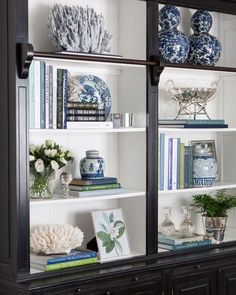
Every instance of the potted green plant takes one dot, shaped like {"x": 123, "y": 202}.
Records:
{"x": 214, "y": 209}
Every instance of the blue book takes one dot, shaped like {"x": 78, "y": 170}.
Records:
{"x": 50, "y": 121}
{"x": 60, "y": 258}
{"x": 170, "y": 151}
{"x": 177, "y": 238}
{"x": 162, "y": 157}
{"x": 59, "y": 98}
{"x": 186, "y": 245}
{"x": 42, "y": 95}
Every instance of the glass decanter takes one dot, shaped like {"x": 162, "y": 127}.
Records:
{"x": 186, "y": 227}
{"x": 167, "y": 226}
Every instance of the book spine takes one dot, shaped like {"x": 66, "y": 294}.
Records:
{"x": 191, "y": 244}
{"x": 32, "y": 96}
{"x": 54, "y": 100}
{"x": 170, "y": 163}
{"x": 95, "y": 187}
{"x": 113, "y": 191}
{"x": 206, "y": 126}
{"x": 190, "y": 166}
{"x": 94, "y": 181}
{"x": 186, "y": 166}
{"x": 178, "y": 163}
{"x": 174, "y": 164}
{"x": 205, "y": 122}
{"x": 59, "y": 98}
{"x": 37, "y": 94}
{"x": 42, "y": 94}
{"x": 47, "y": 96}
{"x": 166, "y": 164}
{"x": 182, "y": 166}
{"x": 64, "y": 99}
{"x": 82, "y": 105}
{"x": 50, "y": 121}
{"x": 75, "y": 118}
{"x": 89, "y": 125}
{"x": 67, "y": 264}
{"x": 162, "y": 156}
{"x": 85, "y": 112}
{"x": 68, "y": 258}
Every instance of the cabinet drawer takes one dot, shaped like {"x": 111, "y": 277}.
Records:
{"x": 143, "y": 283}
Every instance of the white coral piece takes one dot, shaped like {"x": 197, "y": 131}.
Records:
{"x": 55, "y": 238}
{"x": 74, "y": 28}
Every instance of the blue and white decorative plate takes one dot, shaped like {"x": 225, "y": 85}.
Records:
{"x": 90, "y": 89}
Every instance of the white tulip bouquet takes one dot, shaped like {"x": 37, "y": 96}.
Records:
{"x": 45, "y": 160}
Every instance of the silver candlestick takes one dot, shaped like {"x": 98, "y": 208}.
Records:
{"x": 66, "y": 178}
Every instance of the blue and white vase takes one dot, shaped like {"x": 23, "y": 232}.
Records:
{"x": 205, "y": 49}
{"x": 92, "y": 166}
{"x": 173, "y": 44}
{"x": 204, "y": 166}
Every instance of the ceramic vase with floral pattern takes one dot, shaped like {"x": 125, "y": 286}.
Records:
{"x": 92, "y": 166}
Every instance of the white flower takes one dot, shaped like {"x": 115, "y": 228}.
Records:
{"x": 32, "y": 148}
{"x": 113, "y": 231}
{"x": 50, "y": 153}
{"x": 49, "y": 143}
{"x": 68, "y": 154}
{"x": 63, "y": 161}
{"x": 31, "y": 158}
{"x": 39, "y": 165}
{"x": 54, "y": 165}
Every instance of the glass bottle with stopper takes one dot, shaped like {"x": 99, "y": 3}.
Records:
{"x": 66, "y": 178}
{"x": 186, "y": 227}
{"x": 167, "y": 226}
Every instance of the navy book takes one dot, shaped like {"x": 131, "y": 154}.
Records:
{"x": 104, "y": 180}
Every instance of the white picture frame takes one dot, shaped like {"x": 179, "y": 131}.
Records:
{"x": 111, "y": 234}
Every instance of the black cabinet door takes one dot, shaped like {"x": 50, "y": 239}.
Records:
{"x": 193, "y": 281}
{"x": 228, "y": 281}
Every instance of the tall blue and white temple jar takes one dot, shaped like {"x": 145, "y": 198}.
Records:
{"x": 173, "y": 44}
{"x": 205, "y": 49}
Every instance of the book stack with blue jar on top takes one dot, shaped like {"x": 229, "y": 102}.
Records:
{"x": 178, "y": 242}
{"x": 76, "y": 257}
{"x": 95, "y": 187}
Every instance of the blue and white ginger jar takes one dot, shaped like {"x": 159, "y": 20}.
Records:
{"x": 204, "y": 166}
{"x": 173, "y": 44}
{"x": 205, "y": 49}
{"x": 92, "y": 166}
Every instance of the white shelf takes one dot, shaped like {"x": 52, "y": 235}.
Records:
{"x": 88, "y": 130}
{"x": 196, "y": 130}
{"x": 129, "y": 193}
{"x": 217, "y": 186}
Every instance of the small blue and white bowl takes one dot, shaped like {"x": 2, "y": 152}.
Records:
{"x": 92, "y": 166}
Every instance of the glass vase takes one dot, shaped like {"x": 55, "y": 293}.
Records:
{"x": 186, "y": 227}
{"x": 167, "y": 226}
{"x": 41, "y": 186}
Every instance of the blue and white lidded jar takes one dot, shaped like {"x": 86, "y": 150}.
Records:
{"x": 204, "y": 166}
{"x": 92, "y": 166}
{"x": 173, "y": 44}
{"x": 205, "y": 49}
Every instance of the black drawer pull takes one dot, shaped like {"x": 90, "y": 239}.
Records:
{"x": 77, "y": 291}
{"x": 197, "y": 266}
{"x": 108, "y": 293}
{"x": 135, "y": 279}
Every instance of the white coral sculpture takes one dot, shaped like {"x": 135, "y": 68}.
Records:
{"x": 55, "y": 238}
{"x": 74, "y": 28}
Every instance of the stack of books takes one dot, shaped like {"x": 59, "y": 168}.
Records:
{"x": 95, "y": 187}
{"x": 178, "y": 242}
{"x": 175, "y": 164}
{"x": 192, "y": 123}
{"x": 54, "y": 262}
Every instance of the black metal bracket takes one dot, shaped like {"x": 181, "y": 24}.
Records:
{"x": 25, "y": 53}
{"x": 156, "y": 70}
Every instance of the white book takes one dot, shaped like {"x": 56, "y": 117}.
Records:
{"x": 174, "y": 163}
{"x": 47, "y": 96}
{"x": 54, "y": 98}
{"x": 166, "y": 162}
{"x": 89, "y": 125}
{"x": 95, "y": 193}
{"x": 37, "y": 94}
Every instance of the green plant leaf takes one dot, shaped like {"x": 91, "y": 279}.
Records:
{"x": 110, "y": 246}
{"x": 111, "y": 217}
{"x": 118, "y": 246}
{"x": 121, "y": 232}
{"x": 118, "y": 222}
{"x": 104, "y": 237}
